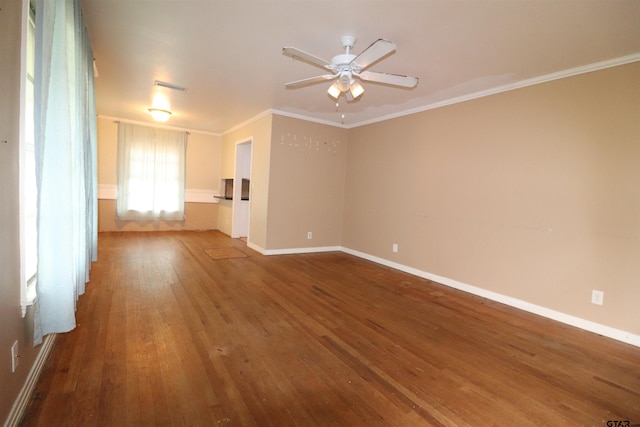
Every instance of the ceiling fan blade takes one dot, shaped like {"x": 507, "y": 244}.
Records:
{"x": 376, "y": 51}
{"x": 305, "y": 57}
{"x": 391, "y": 79}
{"x": 310, "y": 81}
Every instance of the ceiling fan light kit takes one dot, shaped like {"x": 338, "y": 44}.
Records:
{"x": 346, "y": 68}
{"x": 356, "y": 89}
{"x": 334, "y": 90}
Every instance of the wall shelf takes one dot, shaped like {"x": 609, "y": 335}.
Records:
{"x": 227, "y": 189}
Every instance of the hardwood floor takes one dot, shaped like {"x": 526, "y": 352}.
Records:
{"x": 168, "y": 336}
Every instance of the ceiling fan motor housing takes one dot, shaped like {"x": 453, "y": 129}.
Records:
{"x": 344, "y": 80}
{"x": 344, "y": 67}
{"x": 342, "y": 59}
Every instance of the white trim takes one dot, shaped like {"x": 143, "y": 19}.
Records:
{"x": 158, "y": 126}
{"x": 248, "y": 122}
{"x": 21, "y": 402}
{"x": 27, "y": 291}
{"x": 505, "y": 88}
{"x": 194, "y": 195}
{"x": 241, "y": 209}
{"x": 311, "y": 119}
{"x": 191, "y": 195}
{"x": 29, "y": 297}
{"x": 107, "y": 192}
{"x": 587, "y": 325}
{"x": 610, "y": 63}
{"x": 286, "y": 114}
{"x": 256, "y": 248}
{"x": 291, "y": 251}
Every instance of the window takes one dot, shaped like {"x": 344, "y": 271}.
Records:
{"x": 151, "y": 173}
{"x": 28, "y": 188}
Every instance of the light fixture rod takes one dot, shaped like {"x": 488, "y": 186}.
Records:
{"x": 169, "y": 86}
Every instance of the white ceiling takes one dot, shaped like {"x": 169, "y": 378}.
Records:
{"x": 228, "y": 53}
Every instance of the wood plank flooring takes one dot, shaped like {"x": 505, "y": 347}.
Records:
{"x": 168, "y": 336}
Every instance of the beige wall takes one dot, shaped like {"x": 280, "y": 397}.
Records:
{"x": 258, "y": 131}
{"x": 532, "y": 193}
{"x": 306, "y": 184}
{"x": 12, "y": 326}
{"x": 198, "y": 216}
{"x": 297, "y": 182}
{"x": 203, "y": 173}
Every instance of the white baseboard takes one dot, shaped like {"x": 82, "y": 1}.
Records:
{"x": 256, "y": 247}
{"x": 19, "y": 406}
{"x": 568, "y": 319}
{"x": 290, "y": 251}
{"x": 587, "y": 325}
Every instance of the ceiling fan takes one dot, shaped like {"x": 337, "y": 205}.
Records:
{"x": 347, "y": 67}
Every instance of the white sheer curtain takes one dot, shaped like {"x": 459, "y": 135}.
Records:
{"x": 66, "y": 163}
{"x": 151, "y": 173}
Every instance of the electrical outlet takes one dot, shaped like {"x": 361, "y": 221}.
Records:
{"x": 309, "y": 235}
{"x": 394, "y": 248}
{"x": 597, "y": 297}
{"x": 15, "y": 356}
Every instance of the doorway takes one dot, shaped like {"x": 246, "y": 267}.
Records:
{"x": 242, "y": 190}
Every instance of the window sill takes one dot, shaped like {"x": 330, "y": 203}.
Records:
{"x": 29, "y": 298}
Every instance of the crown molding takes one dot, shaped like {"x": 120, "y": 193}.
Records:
{"x": 610, "y": 63}
{"x": 309, "y": 119}
{"x": 247, "y": 122}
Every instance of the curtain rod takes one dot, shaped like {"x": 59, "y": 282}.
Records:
{"x": 152, "y": 126}
{"x": 135, "y": 122}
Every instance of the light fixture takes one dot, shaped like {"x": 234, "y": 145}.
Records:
{"x": 160, "y": 108}
{"x": 345, "y": 83}
{"x": 334, "y": 90}
{"x": 159, "y": 114}
{"x": 356, "y": 89}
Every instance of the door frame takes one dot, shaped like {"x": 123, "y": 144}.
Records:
{"x": 241, "y": 209}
